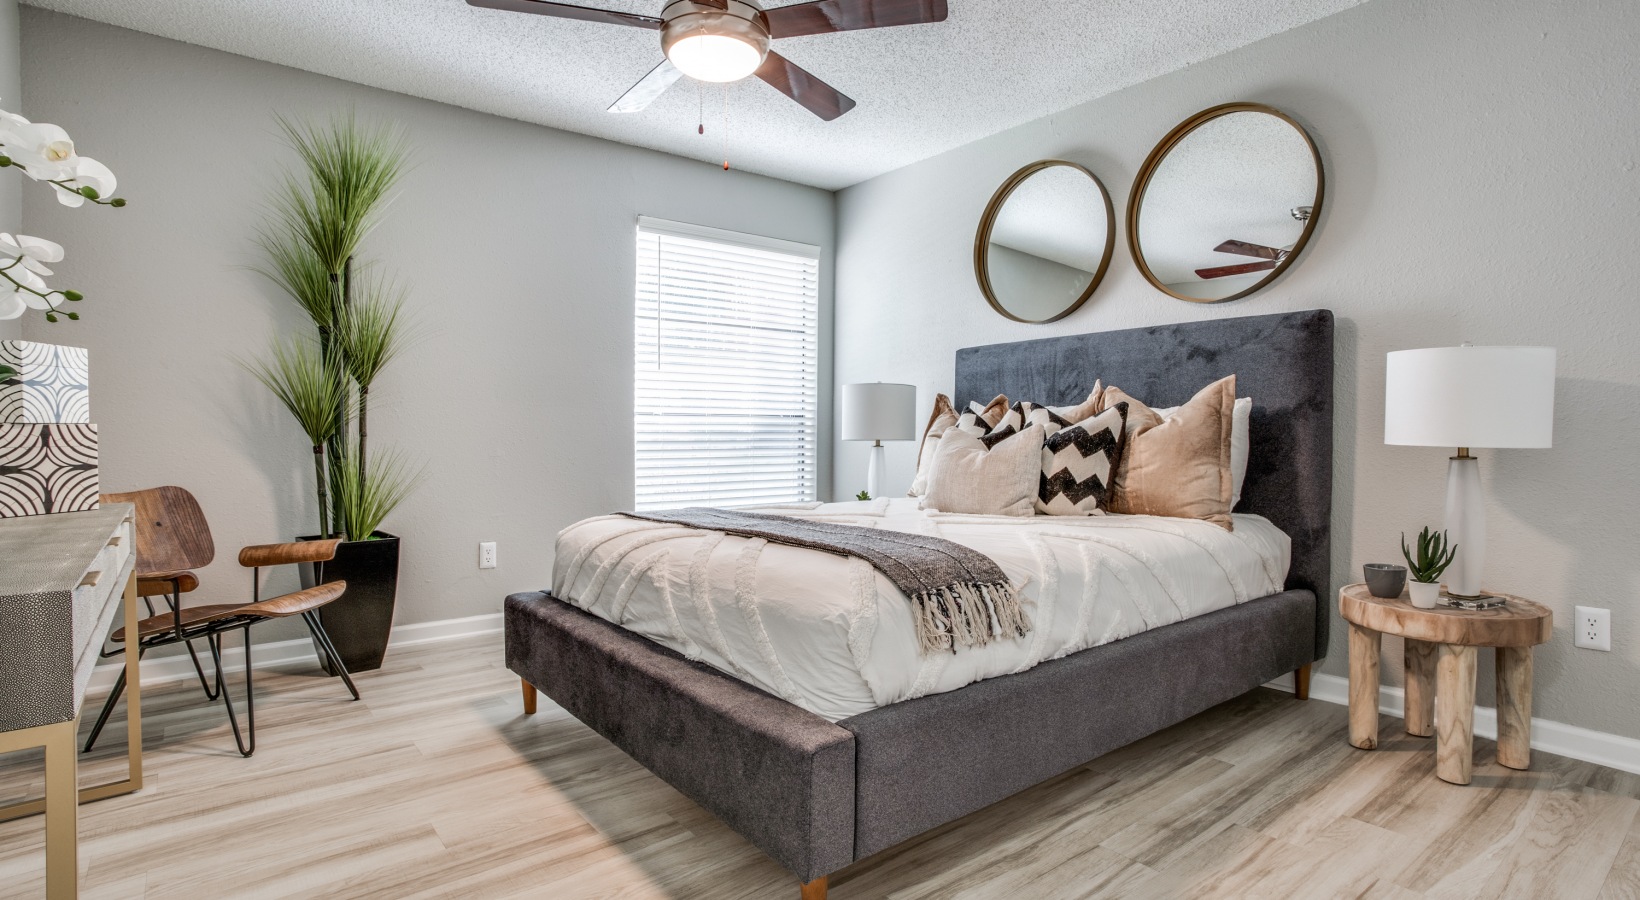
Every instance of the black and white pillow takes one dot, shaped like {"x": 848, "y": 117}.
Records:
{"x": 1078, "y": 459}
{"x": 973, "y": 421}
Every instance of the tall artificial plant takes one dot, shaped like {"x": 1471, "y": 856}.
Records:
{"x": 321, "y": 213}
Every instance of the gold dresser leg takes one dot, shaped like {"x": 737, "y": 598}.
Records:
{"x": 62, "y": 811}
{"x": 1420, "y": 705}
{"x": 1364, "y": 646}
{"x": 1455, "y": 716}
{"x": 1515, "y": 707}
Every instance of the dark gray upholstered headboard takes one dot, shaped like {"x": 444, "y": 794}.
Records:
{"x": 1284, "y": 362}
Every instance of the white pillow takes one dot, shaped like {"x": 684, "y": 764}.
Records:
{"x": 1240, "y": 446}
{"x": 965, "y": 477}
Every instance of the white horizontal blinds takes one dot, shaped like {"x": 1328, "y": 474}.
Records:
{"x": 728, "y": 367}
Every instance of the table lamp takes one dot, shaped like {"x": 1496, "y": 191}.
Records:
{"x": 1467, "y": 397}
{"x": 879, "y": 412}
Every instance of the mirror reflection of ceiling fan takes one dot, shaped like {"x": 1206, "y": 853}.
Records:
{"x": 727, "y": 40}
{"x": 1270, "y": 256}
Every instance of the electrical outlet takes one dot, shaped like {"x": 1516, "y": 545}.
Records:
{"x": 1592, "y": 628}
{"x": 486, "y": 555}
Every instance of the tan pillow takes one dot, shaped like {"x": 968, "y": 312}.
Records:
{"x": 937, "y": 427}
{"x": 1087, "y": 409}
{"x": 965, "y": 477}
{"x": 995, "y": 410}
{"x": 1179, "y": 467}
{"x": 931, "y": 432}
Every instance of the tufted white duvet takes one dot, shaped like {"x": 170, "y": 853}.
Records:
{"x": 829, "y": 634}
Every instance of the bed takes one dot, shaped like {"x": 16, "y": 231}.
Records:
{"x": 817, "y": 794}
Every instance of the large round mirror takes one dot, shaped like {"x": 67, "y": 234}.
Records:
{"x": 1224, "y": 203}
{"x": 1044, "y": 241}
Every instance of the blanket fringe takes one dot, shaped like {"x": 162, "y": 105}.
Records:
{"x": 968, "y": 615}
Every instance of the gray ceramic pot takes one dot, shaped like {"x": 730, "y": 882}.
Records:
{"x": 1385, "y": 579}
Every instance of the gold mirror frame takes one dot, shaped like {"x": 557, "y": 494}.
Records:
{"x": 1178, "y": 134}
{"x": 982, "y": 238}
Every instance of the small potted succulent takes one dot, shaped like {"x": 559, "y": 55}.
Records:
{"x": 1434, "y": 555}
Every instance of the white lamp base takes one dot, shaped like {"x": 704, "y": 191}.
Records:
{"x": 874, "y": 469}
{"x": 1465, "y": 528}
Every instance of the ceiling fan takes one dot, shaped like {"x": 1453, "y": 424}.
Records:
{"x": 727, "y": 40}
{"x": 1271, "y": 256}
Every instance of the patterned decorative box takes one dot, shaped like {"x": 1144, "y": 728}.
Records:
{"x": 52, "y": 383}
{"x": 47, "y": 468}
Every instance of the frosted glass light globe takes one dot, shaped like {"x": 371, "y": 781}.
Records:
{"x": 714, "y": 57}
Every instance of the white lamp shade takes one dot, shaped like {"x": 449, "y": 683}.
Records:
{"x": 1470, "y": 397}
{"x": 879, "y": 412}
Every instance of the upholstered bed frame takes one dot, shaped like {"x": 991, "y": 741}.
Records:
{"x": 817, "y": 795}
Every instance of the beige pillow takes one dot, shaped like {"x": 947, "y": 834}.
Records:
{"x": 965, "y": 477}
{"x": 943, "y": 416}
{"x": 1180, "y": 466}
{"x": 1087, "y": 409}
{"x": 937, "y": 428}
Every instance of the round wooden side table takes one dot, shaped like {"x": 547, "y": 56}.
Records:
{"x": 1440, "y": 659}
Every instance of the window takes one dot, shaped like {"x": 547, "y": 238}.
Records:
{"x": 728, "y": 368}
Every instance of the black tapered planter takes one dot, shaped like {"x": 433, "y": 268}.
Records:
{"x": 359, "y": 621}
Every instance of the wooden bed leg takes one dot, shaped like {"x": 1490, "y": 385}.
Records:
{"x": 816, "y": 889}
{"x": 1301, "y": 682}
{"x": 529, "y": 697}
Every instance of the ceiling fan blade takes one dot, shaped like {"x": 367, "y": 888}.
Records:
{"x": 824, "y": 16}
{"x": 792, "y": 80}
{"x": 566, "y": 11}
{"x": 648, "y": 88}
{"x": 1243, "y": 269}
{"x": 1245, "y": 249}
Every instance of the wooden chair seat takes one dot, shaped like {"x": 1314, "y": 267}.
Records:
{"x": 296, "y": 602}
{"x": 191, "y": 616}
{"x": 292, "y": 604}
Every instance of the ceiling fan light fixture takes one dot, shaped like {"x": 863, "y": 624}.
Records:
{"x": 714, "y": 57}
{"x": 708, "y": 43}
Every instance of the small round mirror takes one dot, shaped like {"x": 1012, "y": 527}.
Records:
{"x": 1224, "y": 203}
{"x": 1044, "y": 241}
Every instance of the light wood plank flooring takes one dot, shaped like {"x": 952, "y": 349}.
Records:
{"x": 434, "y": 785}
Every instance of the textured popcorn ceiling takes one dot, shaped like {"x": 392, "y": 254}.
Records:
{"x": 922, "y": 89}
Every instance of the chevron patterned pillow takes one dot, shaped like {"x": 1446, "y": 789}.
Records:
{"x": 1077, "y": 459}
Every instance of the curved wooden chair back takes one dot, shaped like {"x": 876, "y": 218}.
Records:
{"x": 172, "y": 535}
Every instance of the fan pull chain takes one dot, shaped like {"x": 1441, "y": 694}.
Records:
{"x": 726, "y": 127}
{"x": 700, "y": 102}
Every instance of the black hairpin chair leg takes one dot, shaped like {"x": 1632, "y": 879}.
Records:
{"x": 247, "y": 741}
{"x": 108, "y": 706}
{"x": 322, "y": 638}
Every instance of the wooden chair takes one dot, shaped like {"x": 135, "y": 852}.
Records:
{"x": 173, "y": 539}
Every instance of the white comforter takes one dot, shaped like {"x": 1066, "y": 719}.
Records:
{"x": 832, "y": 635}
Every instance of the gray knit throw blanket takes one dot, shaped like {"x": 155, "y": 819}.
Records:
{"x": 960, "y": 597}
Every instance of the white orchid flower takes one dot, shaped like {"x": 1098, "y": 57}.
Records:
{"x": 45, "y": 151}
{"x": 32, "y": 251}
{"x": 12, "y": 305}
{"x": 88, "y": 173}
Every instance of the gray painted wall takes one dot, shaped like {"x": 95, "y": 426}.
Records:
{"x": 516, "y": 240}
{"x": 11, "y": 98}
{"x": 1482, "y": 186}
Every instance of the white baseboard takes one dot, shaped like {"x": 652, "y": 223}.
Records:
{"x": 1550, "y": 736}
{"x": 158, "y": 670}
